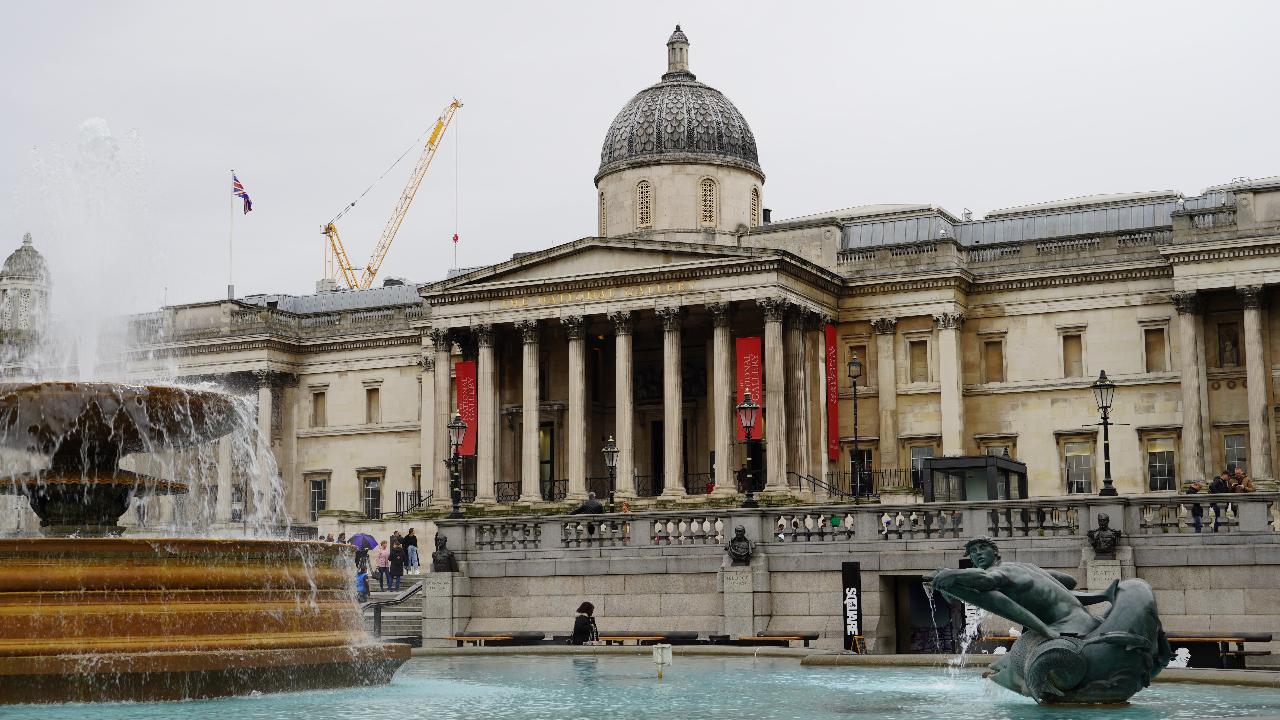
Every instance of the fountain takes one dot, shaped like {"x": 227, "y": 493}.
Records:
{"x": 88, "y": 615}
{"x": 1066, "y": 655}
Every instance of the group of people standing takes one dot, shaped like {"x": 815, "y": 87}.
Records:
{"x": 392, "y": 559}
{"x": 1231, "y": 480}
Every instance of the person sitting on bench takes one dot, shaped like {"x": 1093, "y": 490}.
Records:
{"x": 584, "y": 626}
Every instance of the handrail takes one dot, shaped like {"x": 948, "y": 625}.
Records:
{"x": 816, "y": 485}
{"x": 377, "y": 606}
{"x": 424, "y": 499}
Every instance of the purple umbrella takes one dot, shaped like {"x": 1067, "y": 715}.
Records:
{"x": 363, "y": 541}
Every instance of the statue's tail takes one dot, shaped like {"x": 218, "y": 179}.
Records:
{"x": 1089, "y": 597}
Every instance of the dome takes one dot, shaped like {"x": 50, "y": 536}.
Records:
{"x": 678, "y": 120}
{"x": 25, "y": 263}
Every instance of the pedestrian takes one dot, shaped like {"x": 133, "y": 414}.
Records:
{"x": 590, "y": 506}
{"x": 411, "y": 551}
{"x": 328, "y": 538}
{"x": 742, "y": 477}
{"x": 1220, "y": 485}
{"x": 584, "y": 625}
{"x": 381, "y": 564}
{"x": 362, "y": 585}
{"x": 1197, "y": 511}
{"x": 342, "y": 538}
{"x": 395, "y": 565}
{"x": 1241, "y": 482}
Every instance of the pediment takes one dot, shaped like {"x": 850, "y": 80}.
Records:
{"x": 595, "y": 257}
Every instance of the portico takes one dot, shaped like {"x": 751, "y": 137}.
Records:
{"x": 632, "y": 340}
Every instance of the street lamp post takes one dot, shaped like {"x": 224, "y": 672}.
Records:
{"x": 610, "y": 451}
{"x": 855, "y": 372}
{"x": 1104, "y": 391}
{"x": 748, "y": 410}
{"x": 457, "y": 433}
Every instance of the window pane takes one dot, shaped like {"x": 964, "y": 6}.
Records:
{"x": 1160, "y": 460}
{"x": 1153, "y": 340}
{"x": 993, "y": 361}
{"x": 919, "y": 357}
{"x": 1235, "y": 451}
{"x": 1078, "y": 460}
{"x": 918, "y": 453}
{"x": 1072, "y": 356}
{"x": 372, "y": 497}
{"x": 996, "y": 450}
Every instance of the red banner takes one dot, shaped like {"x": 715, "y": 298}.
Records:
{"x": 465, "y": 382}
{"x": 833, "y": 395}
{"x": 750, "y": 380}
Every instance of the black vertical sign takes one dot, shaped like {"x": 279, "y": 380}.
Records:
{"x": 851, "y": 598}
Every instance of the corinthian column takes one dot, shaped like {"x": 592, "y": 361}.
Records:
{"x": 577, "y": 429}
{"x": 722, "y": 400}
{"x": 624, "y": 420}
{"x": 951, "y": 379}
{"x": 1255, "y": 362}
{"x": 887, "y": 389}
{"x": 426, "y": 423}
{"x": 672, "y": 403}
{"x": 775, "y": 394}
{"x": 443, "y": 411}
{"x": 1188, "y": 306}
{"x": 797, "y": 395}
{"x": 486, "y": 413}
{"x": 529, "y": 400}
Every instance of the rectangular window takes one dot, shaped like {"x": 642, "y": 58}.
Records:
{"x": 997, "y": 450}
{"x": 319, "y": 495}
{"x": 918, "y": 358}
{"x": 237, "y": 502}
{"x": 860, "y": 352}
{"x": 372, "y": 406}
{"x": 1072, "y": 356}
{"x": 917, "y": 454}
{"x": 993, "y": 361}
{"x": 1078, "y": 462}
{"x": 371, "y": 486}
{"x": 860, "y": 469}
{"x": 1235, "y": 451}
{"x": 1153, "y": 342}
{"x": 318, "y": 418}
{"x": 1160, "y": 464}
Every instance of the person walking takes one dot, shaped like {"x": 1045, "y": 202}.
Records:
{"x": 411, "y": 551}
{"x": 584, "y": 625}
{"x": 381, "y": 564}
{"x": 395, "y": 565}
{"x": 362, "y": 585}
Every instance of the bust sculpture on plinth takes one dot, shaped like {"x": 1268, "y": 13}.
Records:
{"x": 1065, "y": 654}
{"x": 739, "y": 547}
{"x": 443, "y": 560}
{"x": 1104, "y": 539}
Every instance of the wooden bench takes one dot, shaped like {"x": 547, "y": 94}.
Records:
{"x": 1213, "y": 650}
{"x": 780, "y": 640}
{"x": 637, "y": 639}
{"x": 478, "y": 640}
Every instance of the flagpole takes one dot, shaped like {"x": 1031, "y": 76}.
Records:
{"x": 231, "y": 231}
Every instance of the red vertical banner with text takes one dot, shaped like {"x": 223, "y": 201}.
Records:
{"x": 465, "y": 381}
{"x": 750, "y": 380}
{"x": 833, "y": 394}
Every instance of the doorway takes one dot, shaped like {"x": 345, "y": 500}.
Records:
{"x": 922, "y": 626}
{"x": 657, "y": 456}
{"x": 547, "y": 461}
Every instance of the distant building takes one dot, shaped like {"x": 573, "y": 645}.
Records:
{"x": 976, "y": 335}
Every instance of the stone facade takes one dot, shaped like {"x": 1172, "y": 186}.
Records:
{"x": 976, "y": 335}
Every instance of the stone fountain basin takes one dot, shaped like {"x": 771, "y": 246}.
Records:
{"x": 108, "y": 619}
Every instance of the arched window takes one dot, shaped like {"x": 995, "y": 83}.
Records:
{"x": 604, "y": 223}
{"x": 755, "y": 206}
{"x": 707, "y": 206}
{"x": 644, "y": 204}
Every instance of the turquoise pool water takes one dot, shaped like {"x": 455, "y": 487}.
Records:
{"x": 568, "y": 688}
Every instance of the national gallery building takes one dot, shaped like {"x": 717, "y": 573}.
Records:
{"x": 975, "y": 336}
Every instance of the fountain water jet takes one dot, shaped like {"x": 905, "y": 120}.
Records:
{"x": 92, "y": 617}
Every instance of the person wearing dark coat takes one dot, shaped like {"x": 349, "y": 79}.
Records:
{"x": 396, "y": 565}
{"x": 584, "y": 625}
{"x": 411, "y": 549}
{"x": 590, "y": 506}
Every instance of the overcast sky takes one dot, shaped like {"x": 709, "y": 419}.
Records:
{"x": 119, "y": 122}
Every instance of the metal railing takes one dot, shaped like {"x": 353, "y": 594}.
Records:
{"x": 644, "y": 485}
{"x": 555, "y": 490}
{"x": 506, "y": 491}
{"x": 377, "y": 606}
{"x": 601, "y": 486}
{"x": 699, "y": 483}
{"x": 869, "y": 483}
{"x": 407, "y": 502}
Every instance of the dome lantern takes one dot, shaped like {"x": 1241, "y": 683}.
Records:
{"x": 678, "y": 57}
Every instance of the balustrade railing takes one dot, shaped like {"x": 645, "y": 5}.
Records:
{"x": 812, "y": 526}
{"x": 687, "y": 530}
{"x": 1205, "y": 514}
{"x": 603, "y": 532}
{"x": 508, "y": 535}
{"x": 922, "y": 522}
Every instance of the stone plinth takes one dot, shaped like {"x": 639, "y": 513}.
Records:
{"x": 446, "y": 607}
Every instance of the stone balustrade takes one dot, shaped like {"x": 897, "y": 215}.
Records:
{"x": 1066, "y": 516}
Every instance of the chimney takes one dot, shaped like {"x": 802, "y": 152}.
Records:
{"x": 768, "y": 216}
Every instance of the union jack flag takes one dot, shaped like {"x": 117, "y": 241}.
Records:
{"x": 237, "y": 189}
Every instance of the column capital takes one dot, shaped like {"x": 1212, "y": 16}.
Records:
{"x": 1187, "y": 303}
{"x": 621, "y": 320}
{"x": 671, "y": 317}
{"x": 816, "y": 321}
{"x": 1251, "y": 296}
{"x": 483, "y": 333}
{"x": 721, "y": 313}
{"x": 884, "y": 325}
{"x": 773, "y": 308}
{"x": 439, "y": 339}
{"x": 573, "y": 326}
{"x": 427, "y": 363}
{"x": 528, "y": 331}
{"x": 948, "y": 321}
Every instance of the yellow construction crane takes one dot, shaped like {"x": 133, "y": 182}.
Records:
{"x": 336, "y": 252}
